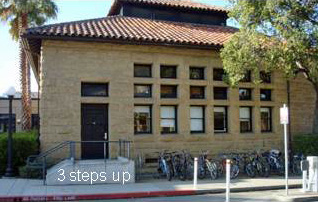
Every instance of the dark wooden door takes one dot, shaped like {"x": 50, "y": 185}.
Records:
{"x": 94, "y": 128}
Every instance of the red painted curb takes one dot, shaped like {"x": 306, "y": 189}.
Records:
{"x": 97, "y": 196}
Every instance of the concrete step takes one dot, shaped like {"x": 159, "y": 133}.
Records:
{"x": 99, "y": 171}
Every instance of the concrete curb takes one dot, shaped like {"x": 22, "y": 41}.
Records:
{"x": 141, "y": 194}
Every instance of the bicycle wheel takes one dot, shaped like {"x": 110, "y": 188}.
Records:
{"x": 201, "y": 173}
{"x": 189, "y": 171}
{"x": 213, "y": 171}
{"x": 234, "y": 171}
{"x": 168, "y": 172}
{"x": 250, "y": 171}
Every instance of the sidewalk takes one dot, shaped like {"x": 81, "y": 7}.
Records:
{"x": 27, "y": 189}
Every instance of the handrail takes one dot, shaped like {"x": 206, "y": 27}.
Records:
{"x": 43, "y": 156}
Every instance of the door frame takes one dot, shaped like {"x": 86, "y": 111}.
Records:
{"x": 106, "y": 105}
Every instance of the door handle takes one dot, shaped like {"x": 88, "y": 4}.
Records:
{"x": 105, "y": 136}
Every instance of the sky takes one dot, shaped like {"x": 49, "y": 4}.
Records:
{"x": 69, "y": 10}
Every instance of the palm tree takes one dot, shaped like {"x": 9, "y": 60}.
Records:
{"x": 21, "y": 14}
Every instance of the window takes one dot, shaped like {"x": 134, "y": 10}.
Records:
{"x": 168, "y": 122}
{"x": 245, "y": 119}
{"x": 168, "y": 91}
{"x": 142, "y": 119}
{"x": 197, "y": 119}
{"x": 245, "y": 93}
{"x": 142, "y": 90}
{"x": 142, "y": 70}
{"x": 95, "y": 89}
{"x": 266, "y": 95}
{"x": 265, "y": 77}
{"x": 35, "y": 121}
{"x": 197, "y": 92}
{"x": 4, "y": 123}
{"x": 266, "y": 119}
{"x": 168, "y": 71}
{"x": 220, "y": 93}
{"x": 220, "y": 119}
{"x": 197, "y": 73}
{"x": 247, "y": 76}
{"x": 218, "y": 74}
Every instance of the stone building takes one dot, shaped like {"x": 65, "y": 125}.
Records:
{"x": 17, "y": 112}
{"x": 150, "y": 72}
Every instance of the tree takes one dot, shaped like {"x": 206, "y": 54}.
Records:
{"x": 274, "y": 35}
{"x": 21, "y": 14}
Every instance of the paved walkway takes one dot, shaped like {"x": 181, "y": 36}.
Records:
{"x": 27, "y": 188}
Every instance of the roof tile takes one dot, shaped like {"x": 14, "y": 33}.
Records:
{"x": 137, "y": 29}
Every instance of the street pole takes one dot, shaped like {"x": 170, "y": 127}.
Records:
{"x": 286, "y": 158}
{"x": 9, "y": 170}
{"x": 228, "y": 178}
{"x": 284, "y": 119}
{"x": 195, "y": 173}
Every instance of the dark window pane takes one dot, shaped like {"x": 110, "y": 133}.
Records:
{"x": 95, "y": 89}
{"x": 220, "y": 93}
{"x": 142, "y": 70}
{"x": 266, "y": 95}
{"x": 168, "y": 91}
{"x": 218, "y": 74}
{"x": 266, "y": 119}
{"x": 168, "y": 119}
{"x": 245, "y": 119}
{"x": 197, "y": 92}
{"x": 265, "y": 77}
{"x": 220, "y": 119}
{"x": 35, "y": 121}
{"x": 141, "y": 90}
{"x": 142, "y": 119}
{"x": 247, "y": 77}
{"x": 4, "y": 122}
{"x": 196, "y": 73}
{"x": 245, "y": 94}
{"x": 168, "y": 71}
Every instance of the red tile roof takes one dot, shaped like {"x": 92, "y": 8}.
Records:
{"x": 188, "y": 4}
{"x": 137, "y": 30}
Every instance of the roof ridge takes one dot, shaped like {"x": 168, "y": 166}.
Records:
{"x": 127, "y": 17}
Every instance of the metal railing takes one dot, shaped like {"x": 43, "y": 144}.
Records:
{"x": 70, "y": 150}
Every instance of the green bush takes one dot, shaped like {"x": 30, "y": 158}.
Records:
{"x": 306, "y": 144}
{"x": 24, "y": 145}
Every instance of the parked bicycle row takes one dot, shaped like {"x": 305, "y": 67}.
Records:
{"x": 180, "y": 164}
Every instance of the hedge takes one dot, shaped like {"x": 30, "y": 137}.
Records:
{"x": 24, "y": 145}
{"x": 306, "y": 144}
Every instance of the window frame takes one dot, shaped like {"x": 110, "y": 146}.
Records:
{"x": 226, "y": 119}
{"x": 150, "y": 112}
{"x": 83, "y": 83}
{"x": 168, "y": 66}
{"x": 203, "y": 119}
{"x": 250, "y": 119}
{"x": 270, "y": 119}
{"x": 270, "y": 95}
{"x": 200, "y": 98}
{"x": 150, "y": 91}
{"x": 175, "y": 119}
{"x": 144, "y": 65}
{"x": 214, "y": 75}
{"x": 175, "y": 93}
{"x": 251, "y": 94}
{"x": 202, "y": 71}
{"x": 218, "y": 87}
{"x": 264, "y": 74}
{"x": 247, "y": 77}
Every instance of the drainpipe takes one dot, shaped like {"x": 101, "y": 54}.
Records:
{"x": 289, "y": 115}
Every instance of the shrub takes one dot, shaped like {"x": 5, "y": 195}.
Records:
{"x": 306, "y": 144}
{"x": 24, "y": 145}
